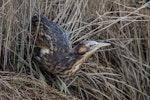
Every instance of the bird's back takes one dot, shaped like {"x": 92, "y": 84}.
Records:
{"x": 50, "y": 36}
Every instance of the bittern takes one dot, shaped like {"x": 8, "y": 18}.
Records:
{"x": 54, "y": 52}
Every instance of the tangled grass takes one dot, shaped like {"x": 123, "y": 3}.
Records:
{"x": 121, "y": 71}
{"x": 16, "y": 87}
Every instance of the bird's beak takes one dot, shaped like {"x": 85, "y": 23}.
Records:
{"x": 96, "y": 45}
{"x": 99, "y": 44}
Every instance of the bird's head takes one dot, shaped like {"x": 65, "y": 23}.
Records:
{"x": 89, "y": 47}
{"x": 83, "y": 51}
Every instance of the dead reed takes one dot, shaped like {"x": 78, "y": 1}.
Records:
{"x": 119, "y": 72}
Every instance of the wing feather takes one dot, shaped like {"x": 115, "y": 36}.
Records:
{"x": 51, "y": 35}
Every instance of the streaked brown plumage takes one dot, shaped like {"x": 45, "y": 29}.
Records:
{"x": 54, "y": 51}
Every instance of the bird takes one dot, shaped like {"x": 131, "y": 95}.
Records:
{"x": 54, "y": 52}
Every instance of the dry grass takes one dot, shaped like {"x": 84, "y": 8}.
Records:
{"x": 23, "y": 87}
{"x": 121, "y": 71}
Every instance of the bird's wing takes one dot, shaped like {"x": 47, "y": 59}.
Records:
{"x": 59, "y": 41}
{"x": 52, "y": 40}
{"x": 52, "y": 36}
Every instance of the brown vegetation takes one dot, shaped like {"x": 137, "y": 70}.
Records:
{"x": 121, "y": 71}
